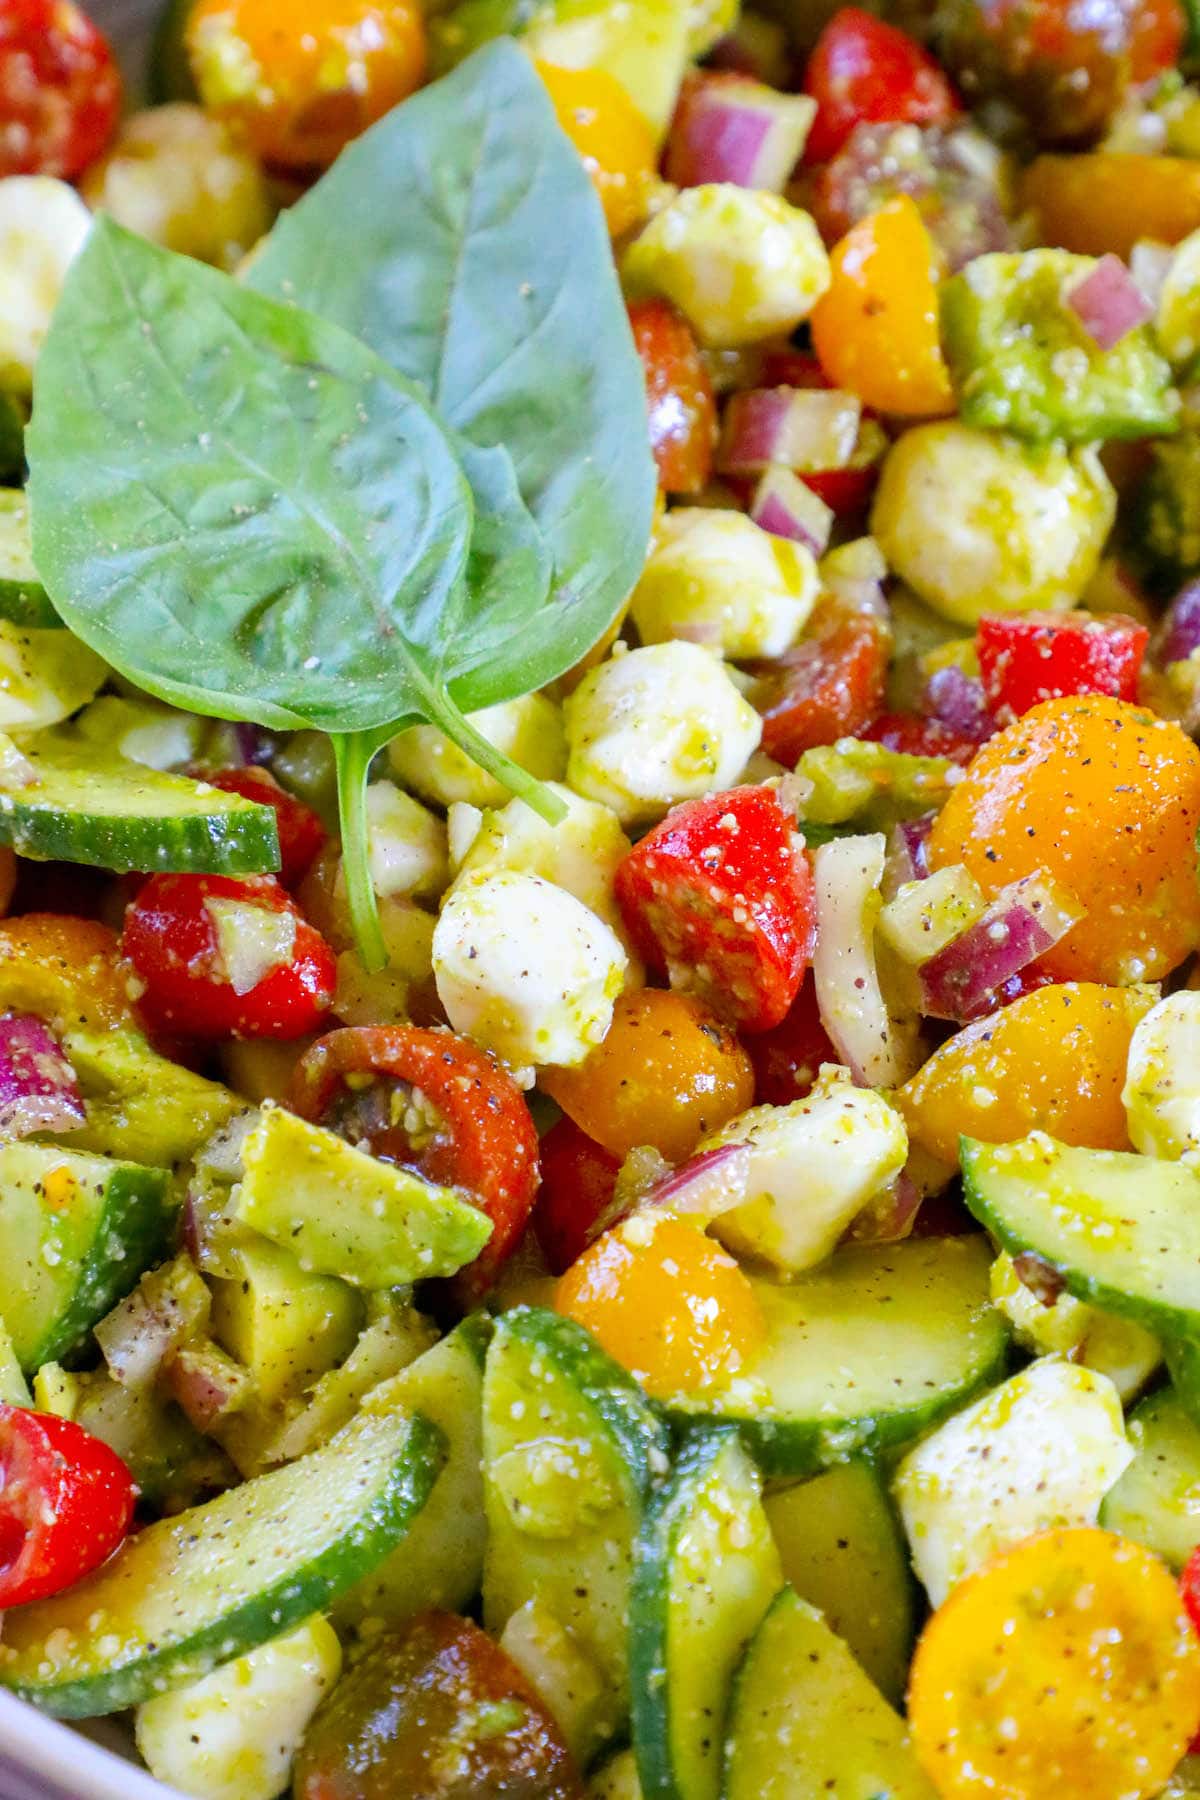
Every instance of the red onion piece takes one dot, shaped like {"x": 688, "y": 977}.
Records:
{"x": 786, "y": 507}
{"x": 38, "y": 1089}
{"x": 206, "y": 1385}
{"x": 889, "y": 1215}
{"x": 907, "y": 853}
{"x": 137, "y": 1337}
{"x": 707, "y": 1185}
{"x": 1178, "y": 636}
{"x": 1108, "y": 303}
{"x": 737, "y": 131}
{"x": 880, "y": 1049}
{"x": 807, "y": 429}
{"x": 1022, "y": 923}
{"x": 957, "y": 701}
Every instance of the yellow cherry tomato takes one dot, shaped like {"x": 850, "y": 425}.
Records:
{"x": 875, "y": 330}
{"x": 615, "y": 142}
{"x": 667, "y": 1303}
{"x": 1066, "y": 1668}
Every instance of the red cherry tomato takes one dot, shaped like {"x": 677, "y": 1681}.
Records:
{"x": 1031, "y": 657}
{"x": 301, "y": 833}
{"x": 914, "y": 736}
{"x": 863, "y": 69}
{"x": 788, "y": 1058}
{"x": 66, "y": 1501}
{"x": 720, "y": 897}
{"x": 683, "y": 413}
{"x": 829, "y": 686}
{"x": 1189, "y": 1593}
{"x": 171, "y": 939}
{"x": 60, "y": 93}
{"x": 483, "y": 1138}
{"x": 578, "y": 1178}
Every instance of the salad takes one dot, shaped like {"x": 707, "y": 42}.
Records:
{"x": 599, "y": 897}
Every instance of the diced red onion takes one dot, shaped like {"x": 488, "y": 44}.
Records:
{"x": 207, "y": 1388}
{"x": 1024, "y": 921}
{"x": 956, "y": 700}
{"x": 740, "y": 132}
{"x": 1039, "y": 1276}
{"x": 1108, "y": 303}
{"x": 38, "y": 1088}
{"x": 707, "y": 1185}
{"x": 137, "y": 1337}
{"x": 907, "y": 853}
{"x": 889, "y": 1215}
{"x": 879, "y": 1049}
{"x": 1178, "y": 636}
{"x": 786, "y": 507}
{"x": 806, "y": 429}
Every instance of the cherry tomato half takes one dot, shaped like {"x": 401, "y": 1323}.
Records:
{"x": 829, "y": 686}
{"x": 66, "y": 1501}
{"x": 788, "y": 1058}
{"x": 863, "y": 69}
{"x": 60, "y": 93}
{"x": 66, "y": 970}
{"x": 578, "y": 1178}
{"x": 1027, "y": 658}
{"x": 683, "y": 413}
{"x": 301, "y": 833}
{"x": 913, "y": 735}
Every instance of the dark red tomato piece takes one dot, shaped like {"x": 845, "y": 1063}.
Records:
{"x": 845, "y": 491}
{"x": 829, "y": 686}
{"x": 912, "y": 735}
{"x": 60, "y": 93}
{"x": 171, "y": 938}
{"x": 435, "y": 1711}
{"x": 66, "y": 1501}
{"x": 578, "y": 1178}
{"x": 783, "y": 366}
{"x": 863, "y": 69}
{"x": 481, "y": 1139}
{"x": 788, "y": 1058}
{"x": 683, "y": 413}
{"x": 720, "y": 896}
{"x": 1030, "y": 657}
{"x": 301, "y": 833}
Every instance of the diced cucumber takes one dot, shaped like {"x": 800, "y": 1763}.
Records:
{"x": 76, "y": 1231}
{"x": 842, "y": 1550}
{"x": 286, "y": 1326}
{"x": 140, "y": 1106}
{"x": 23, "y": 599}
{"x": 705, "y": 1571}
{"x": 1119, "y": 1228}
{"x": 45, "y": 676}
{"x": 387, "y": 1345}
{"x": 571, "y": 1447}
{"x": 85, "y": 806}
{"x": 194, "y": 1591}
{"x": 13, "y": 1391}
{"x": 867, "y": 1352}
{"x": 805, "y": 1721}
{"x": 1157, "y": 1500}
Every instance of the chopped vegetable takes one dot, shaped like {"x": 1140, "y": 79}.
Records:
{"x": 67, "y": 1502}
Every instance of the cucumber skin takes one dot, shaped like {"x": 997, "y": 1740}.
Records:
{"x": 271, "y": 1612}
{"x": 228, "y": 843}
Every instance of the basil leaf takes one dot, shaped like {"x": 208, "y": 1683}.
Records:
{"x": 461, "y": 238}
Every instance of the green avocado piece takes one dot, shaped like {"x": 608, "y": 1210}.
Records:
{"x": 285, "y": 1325}
{"x": 141, "y": 1105}
{"x": 1021, "y": 359}
{"x": 342, "y": 1212}
{"x": 857, "y": 780}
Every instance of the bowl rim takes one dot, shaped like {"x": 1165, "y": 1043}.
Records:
{"x": 35, "y": 1745}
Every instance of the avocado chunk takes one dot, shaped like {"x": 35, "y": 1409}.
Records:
{"x": 1021, "y": 360}
{"x": 76, "y": 1231}
{"x": 285, "y": 1325}
{"x": 141, "y": 1105}
{"x": 857, "y": 780}
{"x": 342, "y": 1212}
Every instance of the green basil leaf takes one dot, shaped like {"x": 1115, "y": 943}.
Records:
{"x": 461, "y": 238}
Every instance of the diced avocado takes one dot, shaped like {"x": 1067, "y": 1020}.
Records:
{"x": 1021, "y": 359}
{"x": 63, "y": 798}
{"x": 874, "y": 786}
{"x": 45, "y": 676}
{"x": 141, "y": 1105}
{"x": 1164, "y": 530}
{"x": 342, "y": 1212}
{"x": 23, "y": 599}
{"x": 76, "y": 1231}
{"x": 287, "y": 1326}
{"x": 389, "y": 1344}
{"x": 13, "y": 1390}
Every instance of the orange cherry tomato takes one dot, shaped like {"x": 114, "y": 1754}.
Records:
{"x": 1100, "y": 203}
{"x": 300, "y": 78}
{"x": 615, "y": 142}
{"x": 1067, "y": 1667}
{"x": 667, "y": 1074}
{"x": 667, "y": 1303}
{"x": 66, "y": 970}
{"x": 1104, "y": 798}
{"x": 876, "y": 328}
{"x": 1052, "y": 1061}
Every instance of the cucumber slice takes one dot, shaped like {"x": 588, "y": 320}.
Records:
{"x": 199, "y": 1589}
{"x": 571, "y": 1446}
{"x": 805, "y": 1720}
{"x": 76, "y": 1231}
{"x": 23, "y": 599}
{"x": 1157, "y": 1500}
{"x": 45, "y": 676}
{"x": 842, "y": 1550}
{"x": 866, "y": 1353}
{"x": 1119, "y": 1228}
{"x": 705, "y": 1571}
{"x": 86, "y": 806}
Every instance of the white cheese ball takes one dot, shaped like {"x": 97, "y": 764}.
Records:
{"x": 1162, "y": 1078}
{"x": 43, "y": 227}
{"x": 581, "y": 853}
{"x": 526, "y": 969}
{"x": 657, "y": 726}
{"x": 975, "y": 522}
{"x": 406, "y": 844}
{"x": 529, "y": 730}
{"x": 718, "y": 579}
{"x": 740, "y": 264}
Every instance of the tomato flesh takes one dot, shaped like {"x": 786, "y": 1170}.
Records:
{"x": 683, "y": 414}
{"x": 66, "y": 1501}
{"x": 788, "y": 1058}
{"x": 578, "y": 1178}
{"x": 913, "y": 735}
{"x": 1038, "y": 656}
{"x": 864, "y": 69}
{"x": 60, "y": 92}
{"x": 301, "y": 833}
{"x": 829, "y": 686}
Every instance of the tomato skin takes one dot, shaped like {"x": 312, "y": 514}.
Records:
{"x": 434, "y": 1711}
{"x": 913, "y": 735}
{"x": 787, "y": 1059}
{"x": 683, "y": 412}
{"x": 1043, "y": 656}
{"x": 719, "y": 894}
{"x": 66, "y": 1501}
{"x": 578, "y": 1178}
{"x": 171, "y": 941}
{"x": 829, "y": 686}
{"x": 489, "y": 1146}
{"x": 301, "y": 833}
{"x": 60, "y": 91}
{"x": 863, "y": 69}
